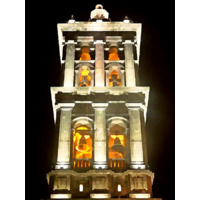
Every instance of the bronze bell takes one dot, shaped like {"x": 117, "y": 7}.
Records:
{"x": 117, "y": 141}
{"x": 118, "y": 147}
{"x": 82, "y": 142}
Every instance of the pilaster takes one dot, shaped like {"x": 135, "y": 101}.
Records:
{"x": 64, "y": 141}
{"x": 69, "y": 64}
{"x": 129, "y": 64}
{"x": 100, "y": 143}
{"x": 99, "y": 64}
{"x": 136, "y": 144}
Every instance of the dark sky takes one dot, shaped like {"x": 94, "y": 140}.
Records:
{"x": 157, "y": 70}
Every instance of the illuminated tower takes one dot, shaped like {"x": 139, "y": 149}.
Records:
{"x": 100, "y": 112}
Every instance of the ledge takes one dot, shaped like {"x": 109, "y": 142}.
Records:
{"x": 96, "y": 90}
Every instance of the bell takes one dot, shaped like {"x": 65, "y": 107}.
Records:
{"x": 82, "y": 142}
{"x": 117, "y": 141}
{"x": 118, "y": 147}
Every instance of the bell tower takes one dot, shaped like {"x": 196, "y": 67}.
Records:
{"x": 100, "y": 112}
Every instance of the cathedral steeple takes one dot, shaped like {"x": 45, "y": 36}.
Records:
{"x": 100, "y": 112}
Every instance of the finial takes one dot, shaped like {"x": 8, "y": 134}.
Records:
{"x": 126, "y": 19}
{"x": 72, "y": 20}
{"x": 99, "y": 6}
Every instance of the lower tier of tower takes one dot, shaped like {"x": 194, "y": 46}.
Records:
{"x": 100, "y": 184}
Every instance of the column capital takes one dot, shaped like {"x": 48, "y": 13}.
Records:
{"x": 100, "y": 105}
{"x": 134, "y": 106}
{"x": 99, "y": 42}
{"x": 65, "y": 106}
{"x": 128, "y": 42}
{"x": 70, "y": 42}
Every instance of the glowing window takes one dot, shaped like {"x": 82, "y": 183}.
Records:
{"x": 81, "y": 188}
{"x": 82, "y": 143}
{"x": 114, "y": 79}
{"x": 84, "y": 77}
{"x": 119, "y": 188}
{"x": 116, "y": 143}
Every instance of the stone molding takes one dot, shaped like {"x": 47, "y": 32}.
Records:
{"x": 101, "y": 172}
{"x": 100, "y": 196}
{"x": 100, "y": 105}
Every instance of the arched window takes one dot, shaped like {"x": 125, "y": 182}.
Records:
{"x": 84, "y": 76}
{"x": 82, "y": 143}
{"x": 116, "y": 142}
{"x": 117, "y": 138}
{"x": 114, "y": 79}
{"x": 114, "y": 76}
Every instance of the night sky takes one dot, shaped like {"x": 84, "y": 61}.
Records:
{"x": 157, "y": 70}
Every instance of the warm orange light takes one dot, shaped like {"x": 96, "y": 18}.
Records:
{"x": 85, "y": 72}
{"x": 112, "y": 138}
{"x": 112, "y": 152}
{"x": 85, "y": 54}
{"x": 83, "y": 149}
{"x": 114, "y": 76}
{"x": 85, "y": 78}
{"x": 113, "y": 54}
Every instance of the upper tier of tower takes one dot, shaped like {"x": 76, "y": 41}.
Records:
{"x": 99, "y": 27}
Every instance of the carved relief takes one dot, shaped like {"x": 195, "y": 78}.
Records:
{"x": 100, "y": 183}
{"x": 139, "y": 182}
{"x": 62, "y": 183}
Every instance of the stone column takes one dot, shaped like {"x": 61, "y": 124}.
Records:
{"x": 99, "y": 64}
{"x": 69, "y": 64}
{"x": 136, "y": 146}
{"x": 64, "y": 140}
{"x": 129, "y": 64}
{"x": 100, "y": 153}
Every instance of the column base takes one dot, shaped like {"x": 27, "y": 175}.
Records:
{"x": 61, "y": 196}
{"x": 100, "y": 196}
{"x": 100, "y": 165}
{"x": 137, "y": 165}
{"x": 142, "y": 196}
{"x": 63, "y": 165}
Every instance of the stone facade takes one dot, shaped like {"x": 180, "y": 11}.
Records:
{"x": 100, "y": 114}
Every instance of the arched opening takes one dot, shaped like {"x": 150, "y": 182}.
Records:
{"x": 82, "y": 143}
{"x": 114, "y": 79}
{"x": 116, "y": 144}
{"x": 84, "y": 77}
